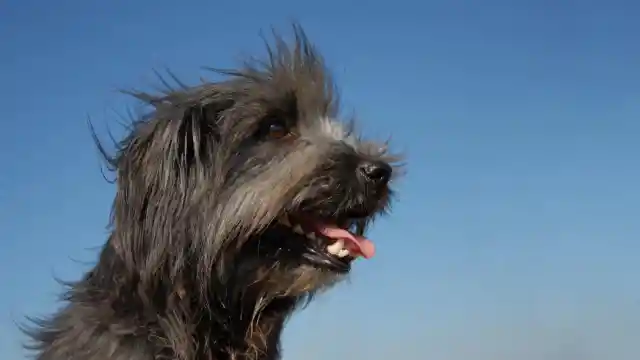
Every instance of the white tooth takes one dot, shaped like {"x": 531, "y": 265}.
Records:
{"x": 311, "y": 236}
{"x": 342, "y": 253}
{"x": 335, "y": 247}
{"x": 298, "y": 229}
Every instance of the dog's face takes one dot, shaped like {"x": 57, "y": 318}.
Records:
{"x": 312, "y": 182}
{"x": 254, "y": 179}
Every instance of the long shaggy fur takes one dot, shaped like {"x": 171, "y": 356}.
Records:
{"x": 197, "y": 265}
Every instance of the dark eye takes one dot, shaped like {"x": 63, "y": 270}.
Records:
{"x": 276, "y": 129}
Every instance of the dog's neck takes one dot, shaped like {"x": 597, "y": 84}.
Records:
{"x": 171, "y": 323}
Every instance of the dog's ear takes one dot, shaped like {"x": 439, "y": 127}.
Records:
{"x": 183, "y": 127}
{"x": 197, "y": 132}
{"x": 160, "y": 165}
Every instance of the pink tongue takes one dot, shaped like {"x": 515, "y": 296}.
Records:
{"x": 361, "y": 244}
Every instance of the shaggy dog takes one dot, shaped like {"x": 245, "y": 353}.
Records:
{"x": 237, "y": 201}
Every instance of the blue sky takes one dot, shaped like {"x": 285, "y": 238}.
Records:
{"x": 516, "y": 232}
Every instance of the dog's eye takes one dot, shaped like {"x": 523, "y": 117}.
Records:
{"x": 277, "y": 129}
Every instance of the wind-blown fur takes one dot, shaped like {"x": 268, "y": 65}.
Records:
{"x": 197, "y": 265}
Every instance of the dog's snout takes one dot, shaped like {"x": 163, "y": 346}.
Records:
{"x": 375, "y": 172}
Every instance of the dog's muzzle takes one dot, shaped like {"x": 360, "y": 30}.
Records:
{"x": 374, "y": 173}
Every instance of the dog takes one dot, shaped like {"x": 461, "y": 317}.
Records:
{"x": 236, "y": 202}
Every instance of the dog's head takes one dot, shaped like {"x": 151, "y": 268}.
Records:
{"x": 249, "y": 182}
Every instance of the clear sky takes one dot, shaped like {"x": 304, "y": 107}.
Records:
{"x": 516, "y": 234}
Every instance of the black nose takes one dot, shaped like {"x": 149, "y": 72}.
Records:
{"x": 375, "y": 172}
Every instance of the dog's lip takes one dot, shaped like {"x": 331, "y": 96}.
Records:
{"x": 344, "y": 242}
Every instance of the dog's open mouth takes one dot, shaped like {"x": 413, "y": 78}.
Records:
{"x": 339, "y": 242}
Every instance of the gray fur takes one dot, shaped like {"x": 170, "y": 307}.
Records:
{"x": 196, "y": 265}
